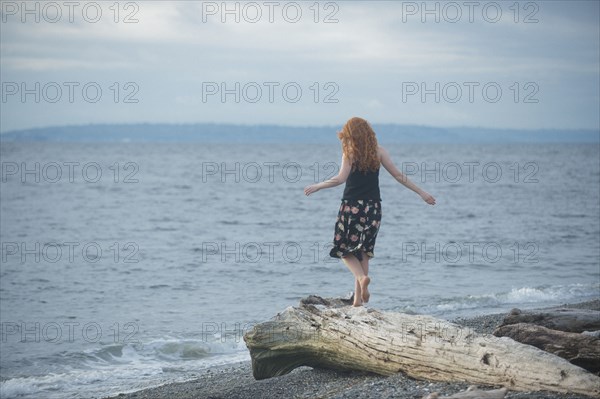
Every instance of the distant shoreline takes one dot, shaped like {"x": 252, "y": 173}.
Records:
{"x": 229, "y": 133}
{"x": 236, "y": 380}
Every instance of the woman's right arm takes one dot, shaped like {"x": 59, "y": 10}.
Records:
{"x": 341, "y": 178}
{"x": 401, "y": 178}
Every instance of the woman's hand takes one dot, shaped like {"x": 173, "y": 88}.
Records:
{"x": 428, "y": 198}
{"x": 313, "y": 188}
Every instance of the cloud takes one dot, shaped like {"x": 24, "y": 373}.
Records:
{"x": 369, "y": 52}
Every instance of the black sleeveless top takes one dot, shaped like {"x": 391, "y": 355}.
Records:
{"x": 362, "y": 186}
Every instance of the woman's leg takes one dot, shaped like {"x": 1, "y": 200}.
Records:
{"x": 357, "y": 293}
{"x": 364, "y": 263}
{"x": 361, "y": 278}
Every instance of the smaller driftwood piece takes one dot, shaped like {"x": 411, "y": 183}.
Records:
{"x": 580, "y": 349}
{"x": 561, "y": 319}
{"x": 572, "y": 334}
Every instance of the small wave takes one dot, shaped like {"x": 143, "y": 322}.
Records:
{"x": 57, "y": 385}
{"x": 569, "y": 215}
{"x": 517, "y": 297}
{"x": 159, "y": 286}
{"x": 555, "y": 293}
{"x": 110, "y": 353}
{"x": 230, "y": 222}
{"x": 183, "y": 350}
{"x": 160, "y": 220}
{"x": 38, "y": 280}
{"x": 159, "y": 228}
{"x": 121, "y": 368}
{"x": 173, "y": 349}
{"x": 569, "y": 237}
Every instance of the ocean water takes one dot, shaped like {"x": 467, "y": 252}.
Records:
{"x": 129, "y": 265}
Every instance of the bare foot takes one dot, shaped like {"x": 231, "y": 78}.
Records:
{"x": 364, "y": 286}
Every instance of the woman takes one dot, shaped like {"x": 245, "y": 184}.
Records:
{"x": 359, "y": 216}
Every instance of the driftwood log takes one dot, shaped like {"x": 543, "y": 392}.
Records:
{"x": 569, "y": 320}
{"x": 331, "y": 334}
{"x": 580, "y": 349}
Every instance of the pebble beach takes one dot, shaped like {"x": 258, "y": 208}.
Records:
{"x": 235, "y": 381}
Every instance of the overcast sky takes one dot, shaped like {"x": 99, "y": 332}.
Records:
{"x": 538, "y": 68}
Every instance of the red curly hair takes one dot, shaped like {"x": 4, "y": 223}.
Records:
{"x": 359, "y": 144}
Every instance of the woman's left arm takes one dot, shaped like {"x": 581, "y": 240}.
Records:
{"x": 341, "y": 178}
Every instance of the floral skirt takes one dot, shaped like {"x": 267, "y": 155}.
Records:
{"x": 356, "y": 228}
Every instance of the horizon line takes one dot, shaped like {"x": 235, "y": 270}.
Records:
{"x": 333, "y": 126}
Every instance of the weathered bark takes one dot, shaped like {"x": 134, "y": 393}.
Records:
{"x": 569, "y": 320}
{"x": 580, "y": 349}
{"x": 472, "y": 393}
{"x": 320, "y": 333}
